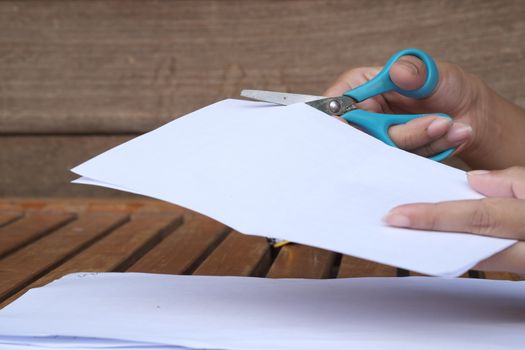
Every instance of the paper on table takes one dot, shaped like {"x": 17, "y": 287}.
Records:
{"x": 294, "y": 173}
{"x": 255, "y": 313}
{"x": 69, "y": 342}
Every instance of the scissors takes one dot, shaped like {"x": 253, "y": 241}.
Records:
{"x": 375, "y": 124}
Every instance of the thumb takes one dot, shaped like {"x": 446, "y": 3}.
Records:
{"x": 455, "y": 88}
{"x": 500, "y": 183}
{"x": 408, "y": 73}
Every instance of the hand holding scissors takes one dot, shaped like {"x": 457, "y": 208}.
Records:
{"x": 375, "y": 124}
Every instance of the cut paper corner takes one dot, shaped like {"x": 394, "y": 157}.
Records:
{"x": 87, "y": 181}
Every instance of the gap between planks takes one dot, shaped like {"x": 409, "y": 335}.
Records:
{"x": 115, "y": 251}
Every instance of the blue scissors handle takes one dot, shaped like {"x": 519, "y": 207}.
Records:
{"x": 382, "y": 83}
{"x": 377, "y": 124}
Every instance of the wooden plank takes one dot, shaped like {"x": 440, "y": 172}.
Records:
{"x": 127, "y": 67}
{"x": 416, "y": 274}
{"x": 124, "y": 246}
{"x": 474, "y": 274}
{"x": 27, "y": 204}
{"x": 9, "y": 216}
{"x": 50, "y": 157}
{"x": 355, "y": 267}
{"x": 29, "y": 229}
{"x": 300, "y": 261}
{"x": 238, "y": 255}
{"x": 183, "y": 251}
{"x": 34, "y": 260}
{"x": 116, "y": 251}
{"x": 128, "y": 205}
{"x": 501, "y": 276}
{"x": 402, "y": 272}
{"x": 468, "y": 274}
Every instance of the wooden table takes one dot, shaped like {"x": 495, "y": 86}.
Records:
{"x": 44, "y": 239}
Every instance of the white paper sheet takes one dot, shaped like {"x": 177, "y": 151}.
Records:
{"x": 77, "y": 343}
{"x": 295, "y": 173}
{"x": 242, "y": 313}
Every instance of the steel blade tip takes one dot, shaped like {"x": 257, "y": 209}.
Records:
{"x": 249, "y": 93}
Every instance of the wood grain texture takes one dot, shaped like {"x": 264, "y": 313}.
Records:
{"x": 128, "y": 66}
{"x": 52, "y": 250}
{"x": 114, "y": 252}
{"x": 185, "y": 249}
{"x": 9, "y": 216}
{"x": 127, "y": 244}
{"x": 50, "y": 157}
{"x": 355, "y": 267}
{"x": 299, "y": 261}
{"x": 139, "y": 205}
{"x": 253, "y": 253}
{"x": 490, "y": 275}
{"x": 30, "y": 228}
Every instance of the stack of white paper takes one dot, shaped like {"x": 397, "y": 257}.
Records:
{"x": 143, "y": 311}
{"x": 294, "y": 173}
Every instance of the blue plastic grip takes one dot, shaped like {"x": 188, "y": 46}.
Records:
{"x": 377, "y": 125}
{"x": 382, "y": 83}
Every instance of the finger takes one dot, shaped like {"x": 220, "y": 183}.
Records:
{"x": 457, "y": 135}
{"x": 500, "y": 217}
{"x": 511, "y": 259}
{"x": 419, "y": 132}
{"x": 449, "y": 96}
{"x": 408, "y": 73}
{"x": 500, "y": 183}
{"x": 350, "y": 80}
{"x": 337, "y": 88}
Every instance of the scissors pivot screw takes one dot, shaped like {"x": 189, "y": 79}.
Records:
{"x": 334, "y": 106}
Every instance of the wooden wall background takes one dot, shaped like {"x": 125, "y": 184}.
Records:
{"x": 78, "y": 77}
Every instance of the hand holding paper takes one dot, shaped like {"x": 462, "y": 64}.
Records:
{"x": 500, "y": 215}
{"x": 294, "y": 173}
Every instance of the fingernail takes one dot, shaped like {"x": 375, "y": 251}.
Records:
{"x": 459, "y": 133}
{"x": 438, "y": 127}
{"x": 397, "y": 220}
{"x": 477, "y": 172}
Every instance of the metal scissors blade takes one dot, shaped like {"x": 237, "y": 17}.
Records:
{"x": 329, "y": 105}
{"x": 281, "y": 98}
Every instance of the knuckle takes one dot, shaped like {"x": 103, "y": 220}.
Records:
{"x": 352, "y": 78}
{"x": 432, "y": 219}
{"x": 516, "y": 171}
{"x": 404, "y": 137}
{"x": 483, "y": 220}
{"x": 428, "y": 150}
{"x": 354, "y": 73}
{"x": 349, "y": 74}
{"x": 404, "y": 140}
{"x": 416, "y": 64}
{"x": 369, "y": 73}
